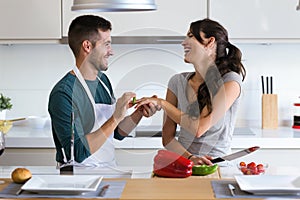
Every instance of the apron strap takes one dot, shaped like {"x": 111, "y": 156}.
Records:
{"x": 88, "y": 92}
{"x": 83, "y": 83}
{"x": 85, "y": 86}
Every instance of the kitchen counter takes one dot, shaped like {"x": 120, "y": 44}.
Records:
{"x": 119, "y": 172}
{"x": 146, "y": 188}
{"x": 26, "y": 146}
{"x": 158, "y": 189}
{"x": 283, "y": 137}
{"x": 165, "y": 188}
{"x": 193, "y": 187}
{"x": 140, "y": 188}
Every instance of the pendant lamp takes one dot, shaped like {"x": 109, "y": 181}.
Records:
{"x": 113, "y": 5}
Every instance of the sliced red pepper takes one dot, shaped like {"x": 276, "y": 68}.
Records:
{"x": 174, "y": 163}
{"x": 171, "y": 164}
{"x": 167, "y": 157}
{"x": 171, "y": 172}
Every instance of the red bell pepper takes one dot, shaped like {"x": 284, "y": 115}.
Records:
{"x": 172, "y": 172}
{"x": 171, "y": 164}
{"x": 167, "y": 157}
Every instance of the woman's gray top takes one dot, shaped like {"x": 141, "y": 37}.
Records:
{"x": 217, "y": 140}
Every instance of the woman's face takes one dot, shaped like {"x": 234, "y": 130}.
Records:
{"x": 200, "y": 55}
{"x": 194, "y": 51}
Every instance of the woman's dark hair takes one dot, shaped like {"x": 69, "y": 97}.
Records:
{"x": 228, "y": 58}
{"x": 86, "y": 27}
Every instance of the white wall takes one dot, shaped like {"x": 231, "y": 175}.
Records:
{"x": 28, "y": 73}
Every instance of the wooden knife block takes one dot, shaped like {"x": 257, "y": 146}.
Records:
{"x": 269, "y": 111}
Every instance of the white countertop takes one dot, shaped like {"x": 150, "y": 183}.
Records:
{"x": 228, "y": 171}
{"x": 119, "y": 172}
{"x": 283, "y": 137}
{"x": 231, "y": 170}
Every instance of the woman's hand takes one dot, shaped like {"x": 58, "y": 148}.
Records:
{"x": 156, "y": 102}
{"x": 147, "y": 106}
{"x": 206, "y": 160}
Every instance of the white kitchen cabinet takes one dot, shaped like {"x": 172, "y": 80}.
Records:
{"x": 260, "y": 19}
{"x": 172, "y": 18}
{"x": 30, "y": 19}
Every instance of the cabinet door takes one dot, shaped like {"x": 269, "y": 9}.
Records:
{"x": 172, "y": 18}
{"x": 30, "y": 19}
{"x": 265, "y": 19}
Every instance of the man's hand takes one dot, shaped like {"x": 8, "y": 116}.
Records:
{"x": 122, "y": 105}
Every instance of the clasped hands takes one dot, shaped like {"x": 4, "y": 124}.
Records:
{"x": 147, "y": 109}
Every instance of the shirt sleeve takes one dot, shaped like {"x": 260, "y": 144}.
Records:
{"x": 233, "y": 76}
{"x": 60, "y": 109}
{"x": 173, "y": 83}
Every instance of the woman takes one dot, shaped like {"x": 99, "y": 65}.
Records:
{"x": 204, "y": 102}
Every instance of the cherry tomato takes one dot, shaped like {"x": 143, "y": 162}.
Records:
{"x": 242, "y": 164}
{"x": 251, "y": 168}
{"x": 254, "y": 170}
{"x": 260, "y": 166}
{"x": 248, "y": 172}
{"x": 251, "y": 165}
{"x": 244, "y": 170}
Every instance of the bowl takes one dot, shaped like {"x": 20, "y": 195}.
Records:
{"x": 252, "y": 168}
{"x": 37, "y": 122}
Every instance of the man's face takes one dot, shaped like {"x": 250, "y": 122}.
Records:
{"x": 102, "y": 51}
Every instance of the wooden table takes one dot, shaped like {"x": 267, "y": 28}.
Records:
{"x": 166, "y": 188}
{"x": 160, "y": 189}
{"x": 194, "y": 187}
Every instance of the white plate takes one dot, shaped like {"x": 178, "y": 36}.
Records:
{"x": 269, "y": 184}
{"x": 62, "y": 184}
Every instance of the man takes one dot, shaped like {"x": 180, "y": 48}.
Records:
{"x": 83, "y": 103}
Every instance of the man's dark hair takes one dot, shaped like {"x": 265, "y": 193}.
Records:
{"x": 86, "y": 27}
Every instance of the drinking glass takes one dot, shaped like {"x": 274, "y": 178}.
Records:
{"x": 2, "y": 143}
{"x": 5, "y": 126}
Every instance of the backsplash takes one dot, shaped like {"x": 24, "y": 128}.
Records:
{"x": 28, "y": 73}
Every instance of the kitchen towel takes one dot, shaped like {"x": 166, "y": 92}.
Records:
{"x": 114, "y": 191}
{"x": 221, "y": 191}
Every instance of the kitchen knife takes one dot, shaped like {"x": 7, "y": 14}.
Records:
{"x": 235, "y": 155}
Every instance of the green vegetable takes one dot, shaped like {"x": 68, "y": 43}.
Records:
{"x": 203, "y": 170}
{"x": 133, "y": 100}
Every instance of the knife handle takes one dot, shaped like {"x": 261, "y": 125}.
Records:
{"x": 217, "y": 160}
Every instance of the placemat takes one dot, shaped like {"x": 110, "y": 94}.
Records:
{"x": 114, "y": 190}
{"x": 221, "y": 191}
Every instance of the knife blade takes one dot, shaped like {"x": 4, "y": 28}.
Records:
{"x": 235, "y": 155}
